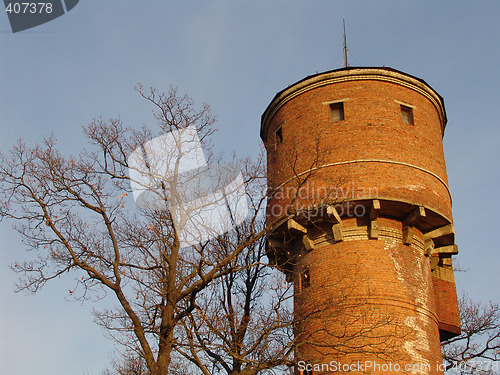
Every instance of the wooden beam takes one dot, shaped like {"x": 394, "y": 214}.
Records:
{"x": 333, "y": 214}
{"x": 429, "y": 248}
{"x": 415, "y": 216}
{"x": 292, "y": 225}
{"x": 450, "y": 249}
{"x": 447, "y": 262}
{"x": 308, "y": 243}
{"x": 374, "y": 209}
{"x": 440, "y": 232}
{"x": 407, "y": 235}
{"x": 337, "y": 232}
{"x": 374, "y": 229}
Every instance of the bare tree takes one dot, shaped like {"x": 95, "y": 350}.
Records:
{"x": 73, "y": 212}
{"x": 214, "y": 303}
{"x": 244, "y": 325}
{"x": 477, "y": 349}
{"x": 127, "y": 364}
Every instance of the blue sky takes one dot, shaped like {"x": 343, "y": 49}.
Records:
{"x": 236, "y": 56}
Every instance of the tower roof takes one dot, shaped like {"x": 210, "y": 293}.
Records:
{"x": 353, "y": 74}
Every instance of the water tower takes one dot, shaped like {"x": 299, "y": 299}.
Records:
{"x": 356, "y": 172}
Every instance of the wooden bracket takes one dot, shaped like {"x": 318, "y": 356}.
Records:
{"x": 374, "y": 227}
{"x": 409, "y": 221}
{"x": 292, "y": 225}
{"x": 429, "y": 248}
{"x": 374, "y": 209}
{"x": 333, "y": 214}
{"x": 448, "y": 250}
{"x": 308, "y": 243}
{"x": 415, "y": 216}
{"x": 407, "y": 235}
{"x": 337, "y": 226}
{"x": 373, "y": 230}
{"x": 440, "y": 232}
{"x": 447, "y": 261}
{"x": 337, "y": 232}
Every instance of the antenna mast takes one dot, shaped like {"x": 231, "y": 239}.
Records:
{"x": 345, "y": 47}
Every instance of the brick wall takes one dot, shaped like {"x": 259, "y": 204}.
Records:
{"x": 369, "y": 298}
{"x": 372, "y": 130}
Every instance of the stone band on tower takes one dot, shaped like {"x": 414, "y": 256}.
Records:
{"x": 356, "y": 168}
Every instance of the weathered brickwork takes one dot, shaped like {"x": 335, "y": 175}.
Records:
{"x": 371, "y": 238}
{"x": 378, "y": 298}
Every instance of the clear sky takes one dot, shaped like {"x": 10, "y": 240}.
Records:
{"x": 235, "y": 56}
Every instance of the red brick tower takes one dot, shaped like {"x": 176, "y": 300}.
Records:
{"x": 356, "y": 163}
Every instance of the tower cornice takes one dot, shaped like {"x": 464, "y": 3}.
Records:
{"x": 353, "y": 74}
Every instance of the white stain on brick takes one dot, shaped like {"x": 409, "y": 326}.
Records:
{"x": 419, "y": 342}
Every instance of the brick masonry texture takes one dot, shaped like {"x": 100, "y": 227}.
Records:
{"x": 372, "y": 129}
{"x": 377, "y": 298}
{"x": 367, "y": 298}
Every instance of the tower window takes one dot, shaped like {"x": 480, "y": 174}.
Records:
{"x": 407, "y": 114}
{"x": 305, "y": 279}
{"x": 278, "y": 137}
{"x": 337, "y": 111}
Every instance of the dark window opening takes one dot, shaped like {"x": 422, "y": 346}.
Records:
{"x": 278, "y": 137}
{"x": 305, "y": 279}
{"x": 337, "y": 111}
{"x": 407, "y": 114}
